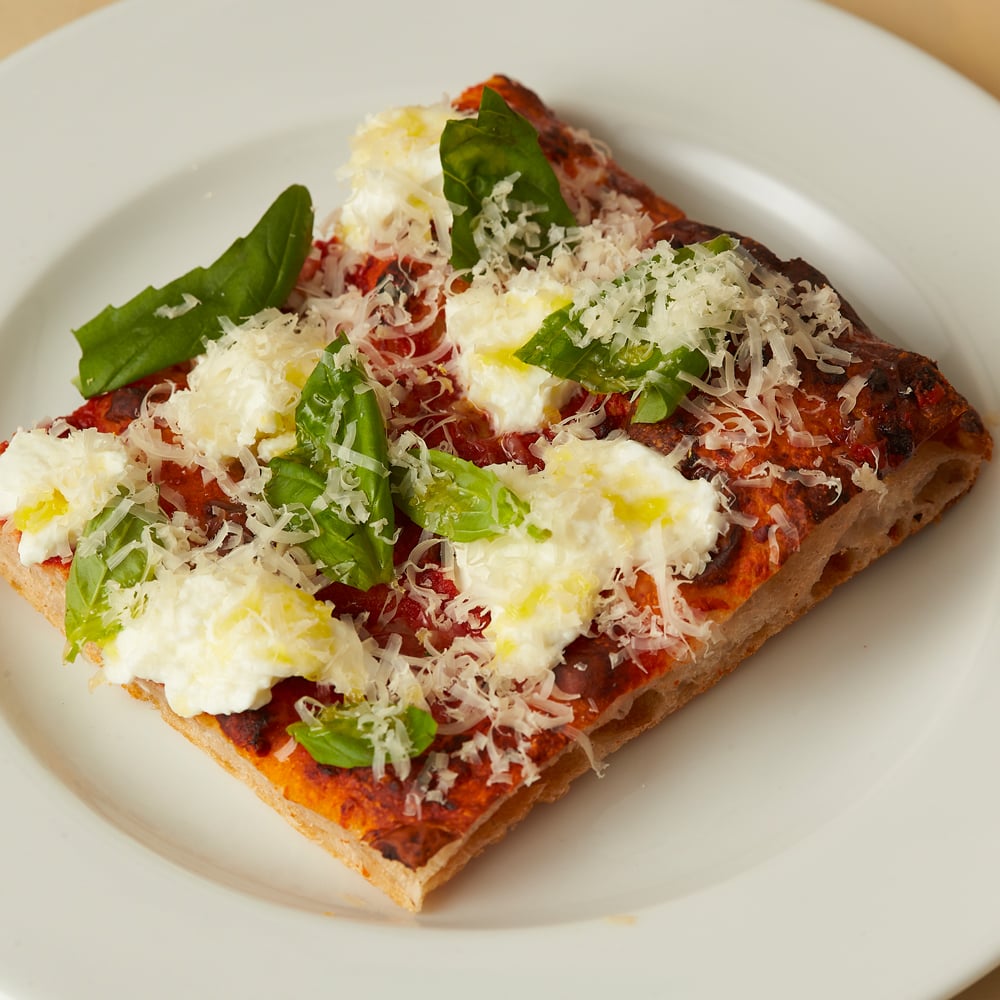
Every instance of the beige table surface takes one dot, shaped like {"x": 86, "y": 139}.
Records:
{"x": 965, "y": 34}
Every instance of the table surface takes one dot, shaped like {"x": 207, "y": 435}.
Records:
{"x": 964, "y": 34}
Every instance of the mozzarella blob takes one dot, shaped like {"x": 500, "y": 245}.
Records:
{"x": 487, "y": 325}
{"x": 51, "y": 486}
{"x": 242, "y": 392}
{"x": 397, "y": 186}
{"x": 220, "y": 635}
{"x": 605, "y": 508}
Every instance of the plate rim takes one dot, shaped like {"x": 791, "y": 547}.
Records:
{"x": 92, "y": 32}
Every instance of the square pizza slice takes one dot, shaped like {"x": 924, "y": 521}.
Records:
{"x": 411, "y": 520}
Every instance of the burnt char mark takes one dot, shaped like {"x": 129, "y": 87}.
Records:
{"x": 879, "y": 380}
{"x": 928, "y": 384}
{"x": 559, "y": 147}
{"x": 124, "y": 404}
{"x": 586, "y": 667}
{"x": 971, "y": 423}
{"x": 819, "y": 502}
{"x": 831, "y": 378}
{"x": 898, "y": 437}
{"x": 593, "y": 667}
{"x": 925, "y": 377}
{"x": 717, "y": 572}
{"x": 680, "y": 231}
{"x": 909, "y": 379}
{"x": 412, "y": 844}
{"x": 247, "y": 730}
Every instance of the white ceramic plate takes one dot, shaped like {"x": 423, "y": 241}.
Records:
{"x": 823, "y": 824}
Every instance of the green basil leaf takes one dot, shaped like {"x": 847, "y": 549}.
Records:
{"x": 164, "y": 326}
{"x": 623, "y": 364}
{"x": 663, "y": 387}
{"x": 477, "y": 154}
{"x": 639, "y": 367}
{"x": 335, "y": 483}
{"x": 459, "y": 500}
{"x": 342, "y": 735}
{"x": 346, "y": 552}
{"x": 113, "y": 549}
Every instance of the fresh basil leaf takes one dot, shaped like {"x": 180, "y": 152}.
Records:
{"x": 335, "y": 483}
{"x": 624, "y": 364}
{"x": 663, "y": 387}
{"x": 346, "y": 552}
{"x": 342, "y": 735}
{"x": 336, "y": 744}
{"x": 476, "y": 155}
{"x": 164, "y": 326}
{"x": 459, "y": 500}
{"x": 114, "y": 549}
{"x": 602, "y": 367}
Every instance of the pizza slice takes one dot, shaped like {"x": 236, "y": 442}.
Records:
{"x": 411, "y": 523}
